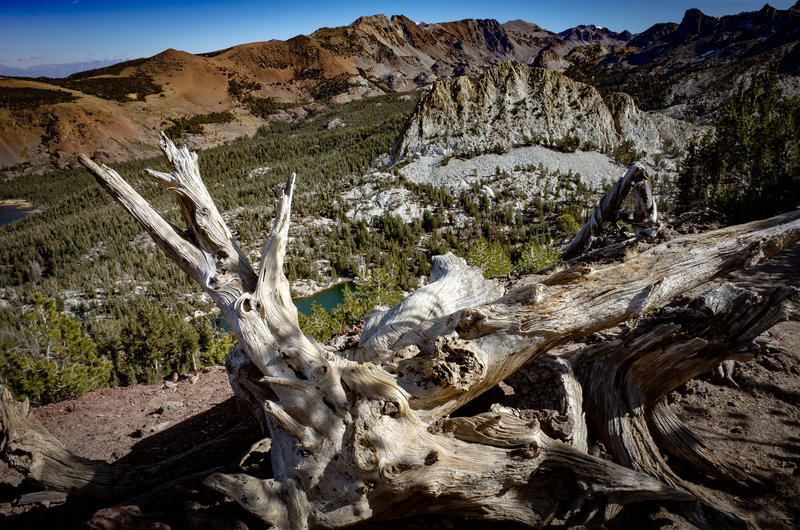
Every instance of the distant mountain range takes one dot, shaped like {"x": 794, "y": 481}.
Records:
{"x": 692, "y": 68}
{"x": 56, "y": 70}
{"x": 686, "y": 70}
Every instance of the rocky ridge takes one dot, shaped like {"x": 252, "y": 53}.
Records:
{"x": 590, "y": 34}
{"x": 373, "y": 55}
{"x": 690, "y": 69}
{"x": 515, "y": 105}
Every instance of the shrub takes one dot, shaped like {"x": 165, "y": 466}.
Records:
{"x": 53, "y": 359}
{"x": 379, "y": 288}
{"x": 263, "y": 107}
{"x": 320, "y": 324}
{"x": 154, "y": 343}
{"x": 26, "y": 98}
{"x": 241, "y": 88}
{"x": 537, "y": 257}
{"x": 568, "y": 144}
{"x": 567, "y": 226}
{"x": 214, "y": 344}
{"x": 191, "y": 124}
{"x": 589, "y": 145}
{"x": 625, "y": 154}
{"x": 113, "y": 88}
{"x": 490, "y": 257}
{"x": 331, "y": 86}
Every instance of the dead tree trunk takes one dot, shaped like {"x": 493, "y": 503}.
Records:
{"x": 645, "y": 213}
{"x": 366, "y": 434}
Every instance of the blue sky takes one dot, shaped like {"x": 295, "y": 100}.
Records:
{"x": 36, "y": 32}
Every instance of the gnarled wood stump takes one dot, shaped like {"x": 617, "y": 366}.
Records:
{"x": 367, "y": 434}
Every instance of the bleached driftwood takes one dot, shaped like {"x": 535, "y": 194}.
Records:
{"x": 367, "y": 435}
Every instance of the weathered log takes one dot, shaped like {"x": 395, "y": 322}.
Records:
{"x": 366, "y": 435}
{"x": 46, "y": 498}
{"x": 625, "y": 393}
{"x": 349, "y": 436}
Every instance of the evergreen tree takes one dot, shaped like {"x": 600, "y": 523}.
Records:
{"x": 154, "y": 343}
{"x": 492, "y": 258}
{"x": 53, "y": 358}
{"x": 537, "y": 257}
{"x": 748, "y": 167}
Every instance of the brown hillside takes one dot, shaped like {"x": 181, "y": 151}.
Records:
{"x": 371, "y": 56}
{"x": 687, "y": 69}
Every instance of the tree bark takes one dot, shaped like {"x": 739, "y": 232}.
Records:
{"x": 367, "y": 434}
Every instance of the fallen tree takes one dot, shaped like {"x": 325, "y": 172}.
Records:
{"x": 372, "y": 433}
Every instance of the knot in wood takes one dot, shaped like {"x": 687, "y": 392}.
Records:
{"x": 390, "y": 408}
{"x": 367, "y": 487}
{"x": 389, "y": 472}
{"x": 364, "y": 455}
{"x": 528, "y": 452}
{"x": 224, "y": 261}
{"x": 454, "y": 365}
{"x": 471, "y": 324}
{"x": 247, "y": 305}
{"x": 431, "y": 458}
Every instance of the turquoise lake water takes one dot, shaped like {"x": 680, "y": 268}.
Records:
{"x": 328, "y": 299}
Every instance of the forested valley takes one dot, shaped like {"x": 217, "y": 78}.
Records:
{"x": 87, "y": 300}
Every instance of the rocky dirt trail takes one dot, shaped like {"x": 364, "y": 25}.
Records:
{"x": 756, "y": 425}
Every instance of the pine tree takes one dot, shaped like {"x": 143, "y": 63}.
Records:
{"x": 749, "y": 166}
{"x": 53, "y": 358}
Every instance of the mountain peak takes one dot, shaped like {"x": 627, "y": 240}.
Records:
{"x": 371, "y": 20}
{"x": 521, "y": 26}
{"x": 375, "y": 54}
{"x": 402, "y": 19}
{"x": 767, "y": 12}
{"x": 695, "y": 22}
{"x": 591, "y": 34}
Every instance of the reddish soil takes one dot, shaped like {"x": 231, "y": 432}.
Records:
{"x": 756, "y": 425}
{"x": 112, "y": 423}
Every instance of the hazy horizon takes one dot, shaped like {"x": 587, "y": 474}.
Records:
{"x": 60, "y": 32}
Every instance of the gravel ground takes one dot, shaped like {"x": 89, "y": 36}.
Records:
{"x": 459, "y": 174}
